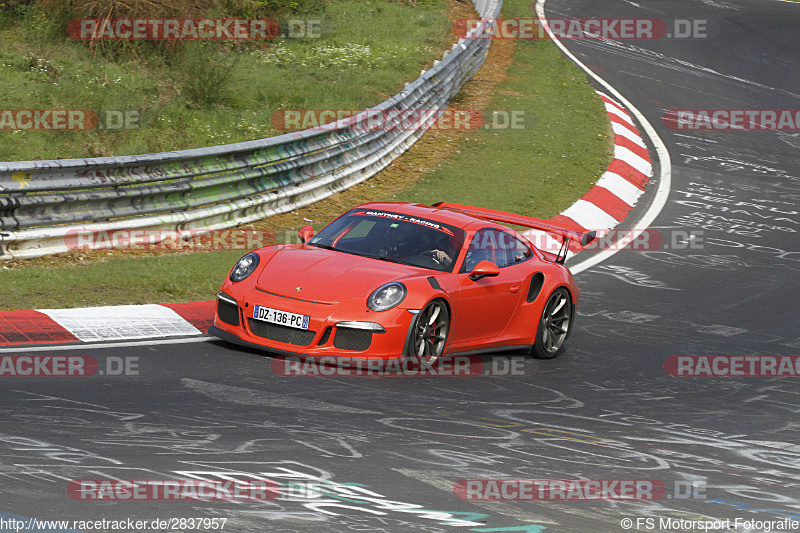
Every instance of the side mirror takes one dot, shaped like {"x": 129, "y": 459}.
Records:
{"x": 484, "y": 269}
{"x": 305, "y": 233}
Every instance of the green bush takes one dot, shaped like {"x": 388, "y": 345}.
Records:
{"x": 203, "y": 71}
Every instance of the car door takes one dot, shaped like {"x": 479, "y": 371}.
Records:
{"x": 485, "y": 306}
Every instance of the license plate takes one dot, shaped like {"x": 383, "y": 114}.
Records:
{"x": 283, "y": 318}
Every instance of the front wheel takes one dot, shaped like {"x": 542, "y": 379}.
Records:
{"x": 429, "y": 336}
{"x": 554, "y": 325}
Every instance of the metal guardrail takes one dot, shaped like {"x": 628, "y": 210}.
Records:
{"x": 211, "y": 188}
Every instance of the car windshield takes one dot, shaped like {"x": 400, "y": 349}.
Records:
{"x": 394, "y": 237}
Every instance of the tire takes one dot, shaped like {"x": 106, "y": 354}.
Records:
{"x": 554, "y": 325}
{"x": 429, "y": 335}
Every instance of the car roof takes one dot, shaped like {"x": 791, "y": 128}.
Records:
{"x": 446, "y": 216}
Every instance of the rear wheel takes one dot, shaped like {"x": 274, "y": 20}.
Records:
{"x": 429, "y": 336}
{"x": 554, "y": 325}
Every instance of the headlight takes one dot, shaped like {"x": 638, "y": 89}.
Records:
{"x": 244, "y": 267}
{"x": 387, "y": 296}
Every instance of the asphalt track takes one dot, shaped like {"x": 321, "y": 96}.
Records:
{"x": 384, "y": 454}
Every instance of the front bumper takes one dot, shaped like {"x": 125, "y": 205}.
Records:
{"x": 344, "y": 330}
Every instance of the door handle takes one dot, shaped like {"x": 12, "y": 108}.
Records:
{"x": 515, "y": 288}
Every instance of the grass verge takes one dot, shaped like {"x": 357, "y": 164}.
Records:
{"x": 205, "y": 93}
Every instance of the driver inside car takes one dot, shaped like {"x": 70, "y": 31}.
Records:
{"x": 406, "y": 240}
{"x": 442, "y": 250}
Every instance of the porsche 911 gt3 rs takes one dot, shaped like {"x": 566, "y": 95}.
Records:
{"x": 408, "y": 281}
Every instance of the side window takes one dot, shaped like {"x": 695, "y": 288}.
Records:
{"x": 498, "y": 247}
{"x": 511, "y": 250}
{"x": 482, "y": 248}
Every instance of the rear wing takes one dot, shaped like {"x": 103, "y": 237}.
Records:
{"x": 581, "y": 237}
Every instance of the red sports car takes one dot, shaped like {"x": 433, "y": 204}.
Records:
{"x": 403, "y": 281}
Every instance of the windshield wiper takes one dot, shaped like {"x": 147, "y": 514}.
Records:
{"x": 388, "y": 259}
{"x": 325, "y": 246}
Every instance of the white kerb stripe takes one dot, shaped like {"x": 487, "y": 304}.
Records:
{"x": 91, "y": 324}
{"x": 621, "y": 130}
{"x": 620, "y": 187}
{"x": 640, "y": 164}
{"x": 589, "y": 216}
{"x": 614, "y": 110}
